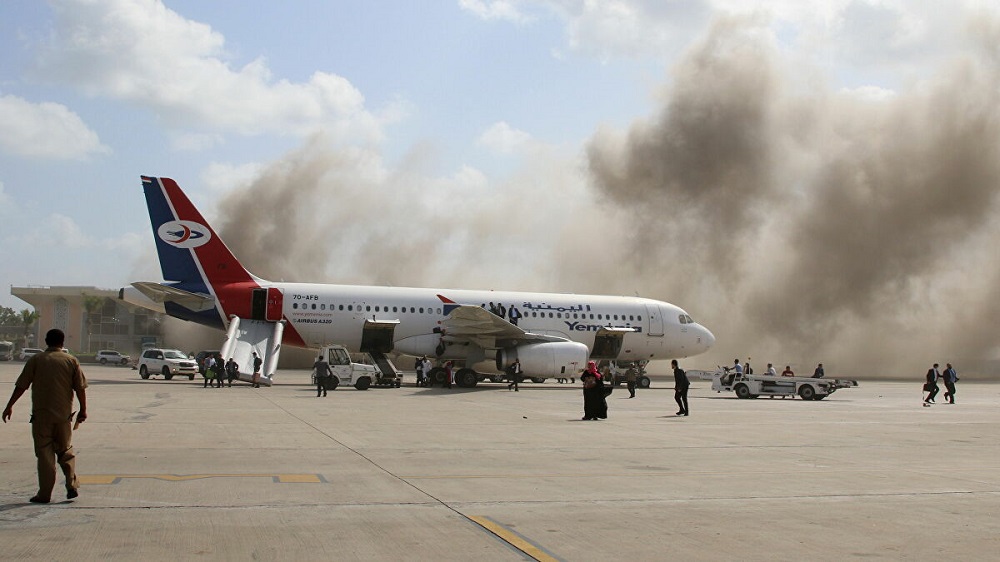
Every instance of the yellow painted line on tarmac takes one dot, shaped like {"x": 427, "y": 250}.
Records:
{"x": 277, "y": 478}
{"x": 513, "y": 539}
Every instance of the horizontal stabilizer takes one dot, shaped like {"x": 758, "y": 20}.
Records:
{"x": 158, "y": 292}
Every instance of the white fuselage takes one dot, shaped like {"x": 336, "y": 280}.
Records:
{"x": 327, "y": 314}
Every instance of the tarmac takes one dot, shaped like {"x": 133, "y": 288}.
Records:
{"x": 175, "y": 471}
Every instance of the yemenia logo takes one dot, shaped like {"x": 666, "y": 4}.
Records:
{"x": 184, "y": 234}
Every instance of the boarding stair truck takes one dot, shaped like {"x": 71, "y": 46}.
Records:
{"x": 359, "y": 375}
{"x": 753, "y": 386}
{"x": 619, "y": 372}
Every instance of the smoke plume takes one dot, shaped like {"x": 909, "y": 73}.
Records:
{"x": 799, "y": 223}
{"x": 826, "y": 226}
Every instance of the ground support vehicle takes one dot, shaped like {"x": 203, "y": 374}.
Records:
{"x": 29, "y": 352}
{"x": 166, "y": 362}
{"x": 6, "y": 351}
{"x": 754, "y": 386}
{"x": 359, "y": 375}
{"x": 201, "y": 356}
{"x": 619, "y": 372}
{"x": 106, "y": 356}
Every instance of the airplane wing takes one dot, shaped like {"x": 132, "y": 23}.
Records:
{"x": 158, "y": 292}
{"x": 466, "y": 322}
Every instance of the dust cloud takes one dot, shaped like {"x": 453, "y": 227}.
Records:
{"x": 800, "y": 223}
{"x": 809, "y": 225}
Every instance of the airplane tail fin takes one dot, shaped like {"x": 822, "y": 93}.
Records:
{"x": 191, "y": 254}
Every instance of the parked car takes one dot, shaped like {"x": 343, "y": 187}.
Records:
{"x": 28, "y": 352}
{"x": 106, "y": 356}
{"x": 166, "y": 362}
{"x": 201, "y": 356}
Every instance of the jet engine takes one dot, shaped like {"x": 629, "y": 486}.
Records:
{"x": 547, "y": 359}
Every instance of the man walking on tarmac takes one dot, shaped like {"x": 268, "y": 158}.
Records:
{"x": 257, "y": 362}
{"x": 515, "y": 372}
{"x": 681, "y": 385}
{"x": 54, "y": 376}
{"x": 322, "y": 369}
{"x": 931, "y": 385}
{"x": 950, "y": 378}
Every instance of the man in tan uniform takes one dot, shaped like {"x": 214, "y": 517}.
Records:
{"x": 53, "y": 377}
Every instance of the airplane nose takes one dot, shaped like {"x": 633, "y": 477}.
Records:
{"x": 707, "y": 338}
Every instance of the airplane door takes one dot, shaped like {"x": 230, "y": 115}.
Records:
{"x": 377, "y": 336}
{"x": 275, "y": 304}
{"x": 654, "y": 318}
{"x": 258, "y": 304}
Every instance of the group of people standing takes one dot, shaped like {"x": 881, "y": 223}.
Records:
{"x": 512, "y": 314}
{"x": 596, "y": 392}
{"x": 423, "y": 367}
{"x": 216, "y": 371}
{"x": 949, "y": 377}
{"x": 738, "y": 369}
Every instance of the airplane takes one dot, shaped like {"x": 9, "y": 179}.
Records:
{"x": 555, "y": 335}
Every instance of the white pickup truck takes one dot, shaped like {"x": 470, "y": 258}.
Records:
{"x": 754, "y": 386}
{"x": 345, "y": 372}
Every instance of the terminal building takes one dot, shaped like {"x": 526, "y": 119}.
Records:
{"x": 91, "y": 318}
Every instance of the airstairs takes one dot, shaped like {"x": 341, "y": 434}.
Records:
{"x": 245, "y": 337}
{"x": 384, "y": 365}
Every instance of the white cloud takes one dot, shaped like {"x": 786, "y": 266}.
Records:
{"x": 870, "y": 93}
{"x": 142, "y": 52}
{"x": 195, "y": 142}
{"x": 222, "y": 178}
{"x": 45, "y": 130}
{"x": 630, "y": 28}
{"x": 508, "y": 10}
{"x": 503, "y": 138}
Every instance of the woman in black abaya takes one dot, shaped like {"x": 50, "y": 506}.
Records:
{"x": 595, "y": 406}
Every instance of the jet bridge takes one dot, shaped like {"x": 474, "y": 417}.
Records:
{"x": 245, "y": 337}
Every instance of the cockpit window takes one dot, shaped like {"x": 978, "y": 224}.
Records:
{"x": 682, "y": 318}
{"x": 690, "y": 321}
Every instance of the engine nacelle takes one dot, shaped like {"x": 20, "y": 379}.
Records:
{"x": 547, "y": 359}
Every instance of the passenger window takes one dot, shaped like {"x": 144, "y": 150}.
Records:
{"x": 295, "y": 305}
{"x": 350, "y": 307}
{"x": 314, "y": 306}
{"x": 421, "y": 310}
{"x": 368, "y": 308}
{"x": 394, "y": 309}
{"x": 341, "y": 307}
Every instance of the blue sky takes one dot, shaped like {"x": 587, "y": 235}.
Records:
{"x": 433, "y": 73}
{"x": 478, "y": 105}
